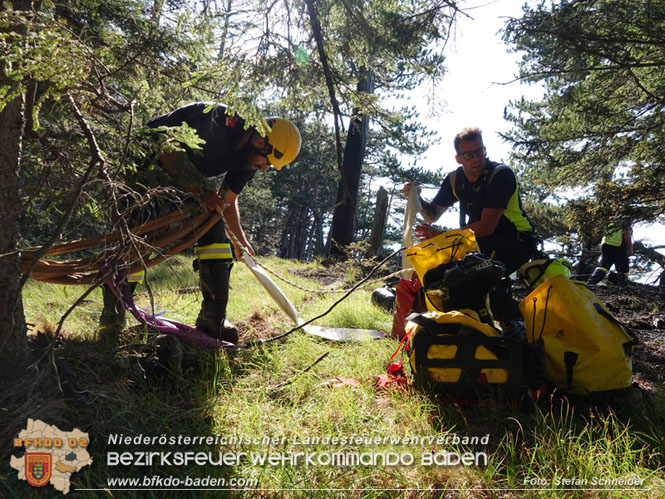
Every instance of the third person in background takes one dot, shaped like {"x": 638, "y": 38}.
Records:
{"x": 616, "y": 247}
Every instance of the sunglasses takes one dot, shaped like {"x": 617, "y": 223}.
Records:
{"x": 468, "y": 155}
{"x": 266, "y": 150}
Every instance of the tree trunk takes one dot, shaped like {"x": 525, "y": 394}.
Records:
{"x": 343, "y": 221}
{"x": 294, "y": 236}
{"x": 157, "y": 6}
{"x": 14, "y": 355}
{"x": 302, "y": 231}
{"x": 379, "y": 223}
{"x": 588, "y": 260}
{"x": 226, "y": 15}
{"x": 319, "y": 247}
{"x": 286, "y": 243}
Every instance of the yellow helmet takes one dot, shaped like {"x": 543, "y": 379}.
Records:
{"x": 283, "y": 141}
{"x": 536, "y": 272}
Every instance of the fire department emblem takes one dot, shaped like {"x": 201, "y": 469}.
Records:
{"x": 38, "y": 468}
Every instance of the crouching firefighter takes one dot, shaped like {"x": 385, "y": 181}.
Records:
{"x": 490, "y": 205}
{"x": 238, "y": 152}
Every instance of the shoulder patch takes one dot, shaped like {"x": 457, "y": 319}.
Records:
{"x": 230, "y": 121}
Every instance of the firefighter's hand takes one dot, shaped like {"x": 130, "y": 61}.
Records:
{"x": 250, "y": 250}
{"x": 424, "y": 231}
{"x": 407, "y": 188}
{"x": 211, "y": 201}
{"x": 239, "y": 250}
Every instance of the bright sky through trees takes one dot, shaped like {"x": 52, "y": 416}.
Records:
{"x": 480, "y": 82}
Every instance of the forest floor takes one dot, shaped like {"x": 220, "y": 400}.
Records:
{"x": 284, "y": 388}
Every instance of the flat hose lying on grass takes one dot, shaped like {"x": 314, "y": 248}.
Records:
{"x": 330, "y": 333}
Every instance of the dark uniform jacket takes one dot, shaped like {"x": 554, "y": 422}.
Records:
{"x": 513, "y": 241}
{"x": 221, "y": 133}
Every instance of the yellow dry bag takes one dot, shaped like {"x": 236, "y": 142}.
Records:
{"x": 586, "y": 348}
{"x": 445, "y": 248}
{"x": 455, "y": 354}
{"x": 436, "y": 255}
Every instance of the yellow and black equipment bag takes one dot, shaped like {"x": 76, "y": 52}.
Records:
{"x": 464, "y": 285}
{"x": 453, "y": 273}
{"x": 445, "y": 248}
{"x": 586, "y": 349}
{"x": 456, "y": 355}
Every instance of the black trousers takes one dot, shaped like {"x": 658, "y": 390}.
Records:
{"x": 614, "y": 255}
{"x": 511, "y": 249}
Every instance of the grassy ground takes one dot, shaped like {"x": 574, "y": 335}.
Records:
{"x": 310, "y": 407}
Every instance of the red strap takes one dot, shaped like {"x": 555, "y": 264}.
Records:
{"x": 394, "y": 367}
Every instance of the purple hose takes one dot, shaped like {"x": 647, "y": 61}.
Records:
{"x": 118, "y": 284}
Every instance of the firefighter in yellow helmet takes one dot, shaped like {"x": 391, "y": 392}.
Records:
{"x": 238, "y": 152}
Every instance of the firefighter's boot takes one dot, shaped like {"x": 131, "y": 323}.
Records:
{"x": 214, "y": 282}
{"x": 598, "y": 274}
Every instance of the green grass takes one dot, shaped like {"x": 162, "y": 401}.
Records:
{"x": 275, "y": 392}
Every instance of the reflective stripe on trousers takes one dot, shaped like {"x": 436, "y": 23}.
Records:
{"x": 215, "y": 251}
{"x": 136, "y": 277}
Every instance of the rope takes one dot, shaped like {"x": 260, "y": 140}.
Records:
{"x": 262, "y": 341}
{"x": 363, "y": 281}
{"x": 309, "y": 290}
{"x": 94, "y": 269}
{"x": 323, "y": 291}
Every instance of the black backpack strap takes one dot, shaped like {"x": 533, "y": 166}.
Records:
{"x": 457, "y": 179}
{"x": 498, "y": 168}
{"x": 420, "y": 319}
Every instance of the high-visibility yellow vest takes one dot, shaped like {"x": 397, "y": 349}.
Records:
{"x": 613, "y": 238}
{"x": 215, "y": 251}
